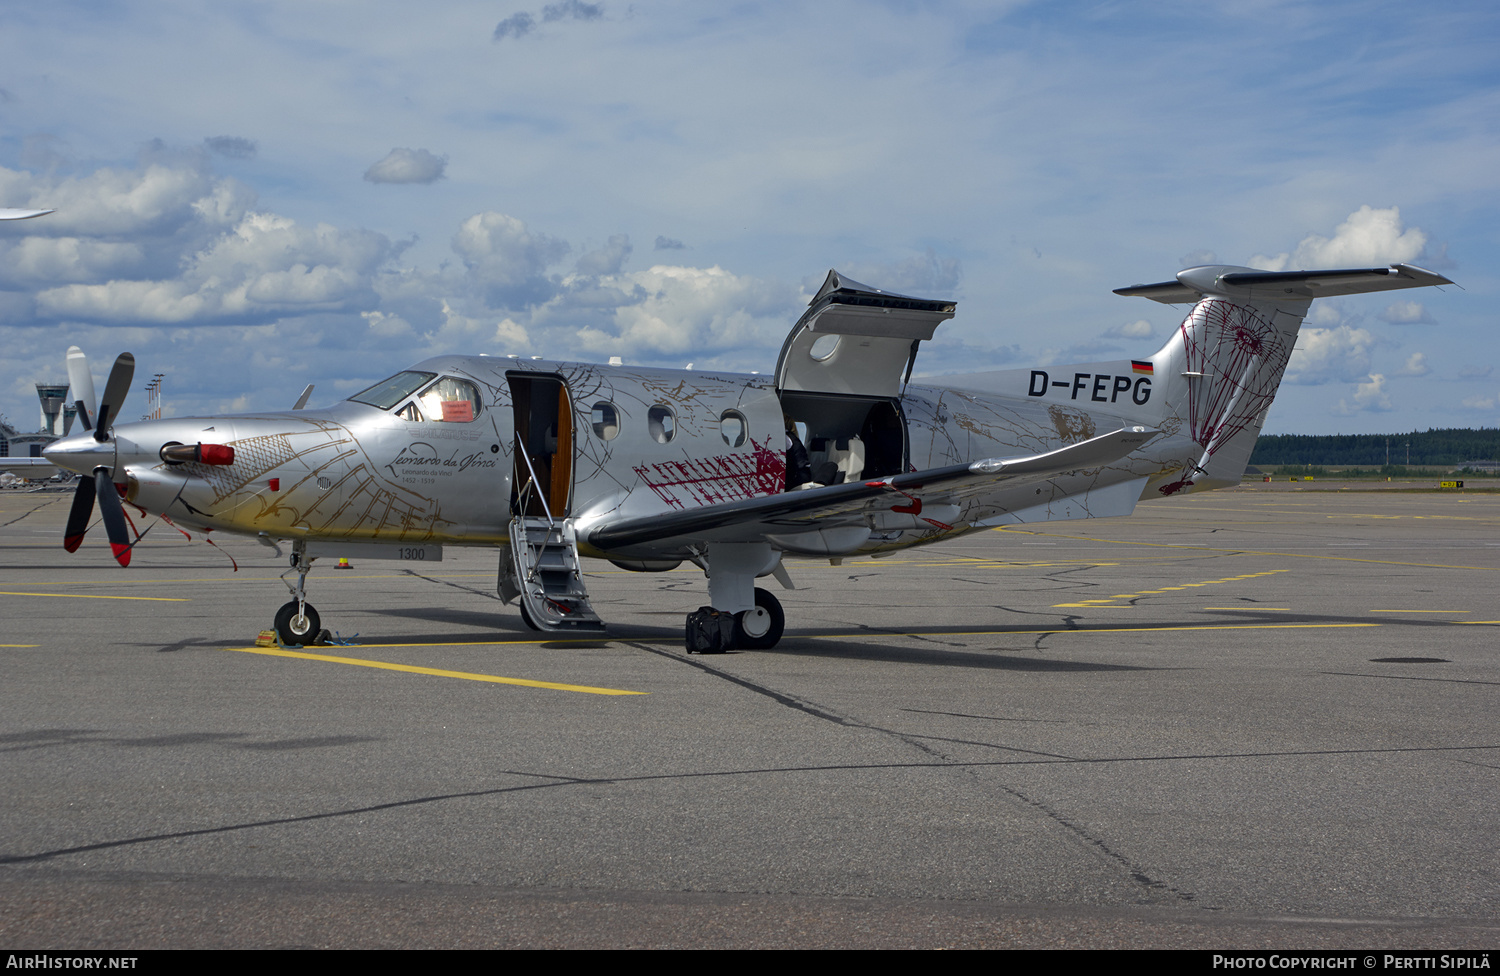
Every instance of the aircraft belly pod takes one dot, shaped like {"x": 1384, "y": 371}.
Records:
{"x": 837, "y": 454}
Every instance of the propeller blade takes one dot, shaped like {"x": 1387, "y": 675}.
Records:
{"x": 82, "y": 382}
{"x": 78, "y": 517}
{"x": 115, "y": 389}
{"x": 114, "y": 515}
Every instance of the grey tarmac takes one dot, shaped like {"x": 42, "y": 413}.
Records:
{"x": 1249, "y": 718}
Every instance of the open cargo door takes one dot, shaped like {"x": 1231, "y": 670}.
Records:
{"x": 856, "y": 340}
{"x": 840, "y": 376}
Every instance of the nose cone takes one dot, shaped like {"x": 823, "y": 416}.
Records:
{"x": 80, "y": 453}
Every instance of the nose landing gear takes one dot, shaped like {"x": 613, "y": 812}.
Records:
{"x": 298, "y": 622}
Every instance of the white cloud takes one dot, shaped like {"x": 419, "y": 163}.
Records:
{"x": 1475, "y": 372}
{"x": 1196, "y": 259}
{"x": 1405, "y": 313}
{"x": 608, "y": 259}
{"x": 152, "y": 201}
{"x": 407, "y": 166}
{"x": 690, "y": 310}
{"x": 1481, "y": 402}
{"x": 266, "y": 267}
{"x": 500, "y": 249}
{"x": 1369, "y": 395}
{"x": 1139, "y": 329}
{"x": 1416, "y": 365}
{"x": 1329, "y": 355}
{"x": 1369, "y": 238}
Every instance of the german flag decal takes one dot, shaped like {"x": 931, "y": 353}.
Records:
{"x": 1140, "y": 367}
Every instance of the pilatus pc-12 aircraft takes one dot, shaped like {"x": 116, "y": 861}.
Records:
{"x": 835, "y": 455}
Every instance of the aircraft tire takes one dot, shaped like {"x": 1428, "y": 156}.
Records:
{"x": 292, "y": 630}
{"x": 526, "y": 616}
{"x": 763, "y": 601}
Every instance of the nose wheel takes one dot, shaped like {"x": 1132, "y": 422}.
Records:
{"x": 297, "y": 623}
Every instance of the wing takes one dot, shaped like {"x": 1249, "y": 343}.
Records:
{"x": 785, "y": 517}
{"x": 28, "y": 467}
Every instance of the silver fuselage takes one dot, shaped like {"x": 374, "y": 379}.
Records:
{"x": 354, "y": 472}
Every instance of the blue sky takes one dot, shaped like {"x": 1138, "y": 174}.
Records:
{"x": 255, "y": 196}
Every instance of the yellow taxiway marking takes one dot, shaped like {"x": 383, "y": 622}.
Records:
{"x": 1184, "y": 548}
{"x": 1098, "y": 603}
{"x": 438, "y": 672}
{"x": 38, "y": 645}
{"x": 1247, "y": 608}
{"x": 1421, "y": 611}
{"x": 1089, "y": 630}
{"x": 98, "y": 596}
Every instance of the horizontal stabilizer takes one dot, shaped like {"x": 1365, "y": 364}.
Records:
{"x": 1193, "y": 283}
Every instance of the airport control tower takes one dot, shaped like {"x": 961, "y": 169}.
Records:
{"x": 57, "y": 412}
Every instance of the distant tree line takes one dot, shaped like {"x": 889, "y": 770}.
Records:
{"x": 1446, "y": 447}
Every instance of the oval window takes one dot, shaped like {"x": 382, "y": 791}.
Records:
{"x": 606, "y": 420}
{"x": 824, "y": 347}
{"x": 662, "y": 423}
{"x": 733, "y": 428}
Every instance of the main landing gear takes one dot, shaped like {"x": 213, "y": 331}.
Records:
{"x": 711, "y": 631}
{"x": 297, "y": 622}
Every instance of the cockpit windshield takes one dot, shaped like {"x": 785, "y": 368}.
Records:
{"x": 449, "y": 400}
{"x": 387, "y": 393}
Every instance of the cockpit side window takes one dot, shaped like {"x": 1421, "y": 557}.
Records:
{"x": 450, "y": 400}
{"x": 389, "y": 392}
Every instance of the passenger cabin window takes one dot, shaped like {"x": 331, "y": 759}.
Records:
{"x": 606, "y": 421}
{"x": 733, "y": 428}
{"x": 661, "y": 422}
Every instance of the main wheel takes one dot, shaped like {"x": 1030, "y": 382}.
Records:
{"x": 761, "y": 628}
{"x": 526, "y": 616}
{"x": 297, "y": 628}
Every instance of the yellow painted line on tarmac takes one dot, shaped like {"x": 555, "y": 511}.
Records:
{"x": 437, "y": 672}
{"x": 1136, "y": 596}
{"x": 1247, "y": 608}
{"x": 1090, "y": 630}
{"x": 1252, "y": 552}
{"x": 1421, "y": 611}
{"x": 38, "y": 645}
{"x": 99, "y": 596}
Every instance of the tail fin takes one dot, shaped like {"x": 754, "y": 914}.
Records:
{"x": 1225, "y": 362}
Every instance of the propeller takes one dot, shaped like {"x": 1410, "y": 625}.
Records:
{"x": 82, "y": 382}
{"x": 102, "y": 485}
